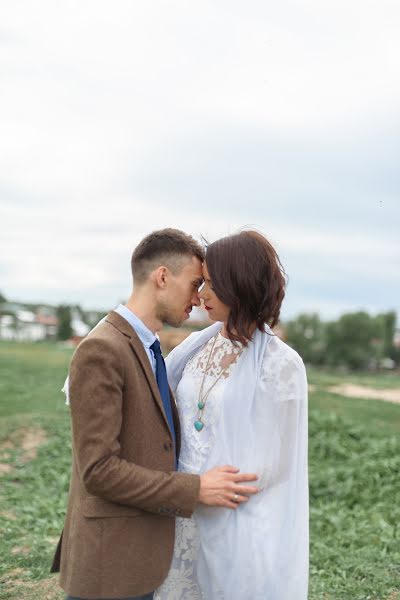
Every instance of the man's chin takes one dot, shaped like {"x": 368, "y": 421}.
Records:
{"x": 172, "y": 322}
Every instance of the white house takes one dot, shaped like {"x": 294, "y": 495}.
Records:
{"x": 26, "y": 326}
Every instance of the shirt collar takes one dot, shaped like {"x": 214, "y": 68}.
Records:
{"x": 146, "y": 336}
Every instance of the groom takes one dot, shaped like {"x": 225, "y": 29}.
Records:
{"x": 118, "y": 537}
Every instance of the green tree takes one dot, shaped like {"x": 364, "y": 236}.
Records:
{"x": 352, "y": 341}
{"x": 64, "y": 330}
{"x": 386, "y": 325}
{"x": 306, "y": 334}
{"x": 2, "y": 298}
{"x": 386, "y": 329}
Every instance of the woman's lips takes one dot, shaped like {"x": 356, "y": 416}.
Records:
{"x": 207, "y": 307}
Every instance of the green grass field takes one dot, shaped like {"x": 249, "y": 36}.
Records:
{"x": 354, "y": 480}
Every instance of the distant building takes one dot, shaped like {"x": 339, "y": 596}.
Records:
{"x": 79, "y": 328}
{"x": 27, "y": 326}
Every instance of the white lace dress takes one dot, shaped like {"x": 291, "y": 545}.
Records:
{"x": 182, "y": 583}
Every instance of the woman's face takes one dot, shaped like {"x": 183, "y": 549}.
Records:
{"x": 217, "y": 310}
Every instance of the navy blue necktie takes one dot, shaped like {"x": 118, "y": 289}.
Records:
{"x": 162, "y": 382}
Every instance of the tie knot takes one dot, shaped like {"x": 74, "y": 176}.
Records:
{"x": 156, "y": 347}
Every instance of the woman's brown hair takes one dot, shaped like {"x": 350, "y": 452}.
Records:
{"x": 247, "y": 275}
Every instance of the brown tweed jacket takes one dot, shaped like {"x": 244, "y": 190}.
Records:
{"x": 119, "y": 529}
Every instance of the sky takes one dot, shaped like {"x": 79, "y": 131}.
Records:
{"x": 118, "y": 118}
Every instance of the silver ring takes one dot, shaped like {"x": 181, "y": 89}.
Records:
{"x": 235, "y": 498}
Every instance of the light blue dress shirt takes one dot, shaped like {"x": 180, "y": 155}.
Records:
{"x": 146, "y": 336}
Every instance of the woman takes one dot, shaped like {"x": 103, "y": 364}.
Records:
{"x": 242, "y": 398}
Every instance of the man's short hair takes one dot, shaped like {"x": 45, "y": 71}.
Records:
{"x": 165, "y": 247}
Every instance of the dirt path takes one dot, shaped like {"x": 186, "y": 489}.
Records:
{"x": 360, "y": 391}
{"x": 28, "y": 440}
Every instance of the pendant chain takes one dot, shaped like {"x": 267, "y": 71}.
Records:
{"x": 198, "y": 424}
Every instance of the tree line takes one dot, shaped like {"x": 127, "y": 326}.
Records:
{"x": 356, "y": 341}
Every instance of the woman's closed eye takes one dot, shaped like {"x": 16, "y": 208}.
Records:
{"x": 208, "y": 283}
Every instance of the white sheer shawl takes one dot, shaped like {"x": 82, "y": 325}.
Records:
{"x": 259, "y": 551}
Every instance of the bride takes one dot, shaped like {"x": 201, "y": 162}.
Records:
{"x": 242, "y": 397}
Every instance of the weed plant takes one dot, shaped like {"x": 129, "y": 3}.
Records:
{"x": 354, "y": 455}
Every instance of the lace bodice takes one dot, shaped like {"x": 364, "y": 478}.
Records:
{"x": 211, "y": 366}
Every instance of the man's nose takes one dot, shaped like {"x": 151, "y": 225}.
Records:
{"x": 196, "y": 299}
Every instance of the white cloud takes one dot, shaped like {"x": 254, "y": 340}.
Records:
{"x": 118, "y": 119}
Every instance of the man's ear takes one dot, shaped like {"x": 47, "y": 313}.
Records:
{"x": 160, "y": 276}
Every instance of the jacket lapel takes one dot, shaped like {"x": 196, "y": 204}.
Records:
{"x": 136, "y": 345}
{"x": 177, "y": 424}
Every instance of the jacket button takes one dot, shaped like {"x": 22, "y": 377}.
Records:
{"x": 166, "y": 446}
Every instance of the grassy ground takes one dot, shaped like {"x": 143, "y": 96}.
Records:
{"x": 354, "y": 466}
{"x": 33, "y": 493}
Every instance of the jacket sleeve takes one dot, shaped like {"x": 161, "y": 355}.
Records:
{"x": 96, "y": 383}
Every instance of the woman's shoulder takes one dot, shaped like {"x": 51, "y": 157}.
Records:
{"x": 283, "y": 372}
{"x": 179, "y": 356}
{"x": 279, "y": 350}
{"x": 195, "y": 338}
{"x": 282, "y": 363}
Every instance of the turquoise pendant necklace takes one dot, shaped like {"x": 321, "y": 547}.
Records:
{"x": 201, "y": 404}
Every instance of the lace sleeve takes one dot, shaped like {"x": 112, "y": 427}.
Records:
{"x": 283, "y": 386}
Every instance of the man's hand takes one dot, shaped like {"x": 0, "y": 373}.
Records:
{"x": 222, "y": 486}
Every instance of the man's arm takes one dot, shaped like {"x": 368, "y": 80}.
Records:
{"x": 96, "y": 396}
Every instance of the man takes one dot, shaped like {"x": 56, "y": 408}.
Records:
{"x": 119, "y": 530}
